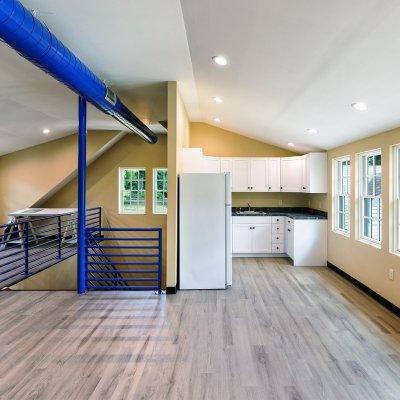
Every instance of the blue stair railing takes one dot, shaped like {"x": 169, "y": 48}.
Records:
{"x": 124, "y": 259}
{"x": 31, "y": 245}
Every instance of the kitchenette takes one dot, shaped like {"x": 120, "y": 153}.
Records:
{"x": 220, "y": 230}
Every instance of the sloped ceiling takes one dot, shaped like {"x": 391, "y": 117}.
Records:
{"x": 293, "y": 65}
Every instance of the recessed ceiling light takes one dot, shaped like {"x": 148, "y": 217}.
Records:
{"x": 359, "y": 106}
{"x": 46, "y": 131}
{"x": 216, "y": 119}
{"x": 217, "y": 99}
{"x": 312, "y": 130}
{"x": 220, "y": 60}
{"x": 290, "y": 144}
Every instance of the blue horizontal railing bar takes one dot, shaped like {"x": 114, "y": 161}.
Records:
{"x": 125, "y": 279}
{"x": 123, "y": 255}
{"x": 125, "y": 239}
{"x": 128, "y": 271}
{"x": 111, "y": 272}
{"x": 139, "y": 288}
{"x": 123, "y": 263}
{"x": 121, "y": 247}
{"x": 32, "y": 244}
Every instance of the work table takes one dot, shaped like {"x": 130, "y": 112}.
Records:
{"x": 290, "y": 212}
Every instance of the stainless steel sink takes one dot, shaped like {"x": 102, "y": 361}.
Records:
{"x": 250, "y": 213}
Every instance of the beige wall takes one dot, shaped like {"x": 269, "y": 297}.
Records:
{"x": 178, "y": 137}
{"x": 362, "y": 261}
{"x": 27, "y": 175}
{"x": 222, "y": 143}
{"x": 102, "y": 184}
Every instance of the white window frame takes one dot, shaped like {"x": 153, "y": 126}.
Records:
{"x": 339, "y": 192}
{"x": 121, "y": 190}
{"x": 395, "y": 182}
{"x": 156, "y": 190}
{"x": 362, "y": 159}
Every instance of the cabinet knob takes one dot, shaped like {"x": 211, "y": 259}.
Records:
{"x": 277, "y": 228}
{"x": 289, "y": 230}
{"x": 304, "y": 187}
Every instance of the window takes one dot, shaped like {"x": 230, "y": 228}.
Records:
{"x": 132, "y": 191}
{"x": 370, "y": 205}
{"x": 160, "y": 190}
{"x": 341, "y": 202}
{"x": 396, "y": 198}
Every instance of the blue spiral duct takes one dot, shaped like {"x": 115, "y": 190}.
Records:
{"x": 34, "y": 41}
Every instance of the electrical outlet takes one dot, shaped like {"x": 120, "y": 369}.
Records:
{"x": 391, "y": 274}
{"x": 280, "y": 202}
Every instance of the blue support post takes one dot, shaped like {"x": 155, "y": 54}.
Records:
{"x": 82, "y": 261}
{"x": 159, "y": 261}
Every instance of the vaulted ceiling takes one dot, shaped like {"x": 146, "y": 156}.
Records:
{"x": 292, "y": 66}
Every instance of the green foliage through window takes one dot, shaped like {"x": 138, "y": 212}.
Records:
{"x": 133, "y": 190}
{"x": 160, "y": 190}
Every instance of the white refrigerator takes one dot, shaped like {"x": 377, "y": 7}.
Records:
{"x": 205, "y": 231}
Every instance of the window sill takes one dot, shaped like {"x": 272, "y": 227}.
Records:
{"x": 370, "y": 243}
{"x": 342, "y": 233}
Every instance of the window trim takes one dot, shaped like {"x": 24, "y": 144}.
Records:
{"x": 120, "y": 195}
{"x": 335, "y": 203}
{"x": 155, "y": 190}
{"x": 361, "y": 238}
{"x": 395, "y": 188}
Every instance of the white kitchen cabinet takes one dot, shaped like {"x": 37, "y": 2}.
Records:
{"x": 289, "y": 245}
{"x": 261, "y": 238}
{"x": 291, "y": 174}
{"x": 192, "y": 160}
{"x": 241, "y": 175}
{"x": 253, "y": 236}
{"x": 259, "y": 175}
{"x": 314, "y": 173}
{"x": 241, "y": 238}
{"x": 274, "y": 174}
{"x": 212, "y": 165}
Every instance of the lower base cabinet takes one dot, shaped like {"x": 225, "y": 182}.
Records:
{"x": 304, "y": 241}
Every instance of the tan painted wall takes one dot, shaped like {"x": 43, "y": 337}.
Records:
{"x": 178, "y": 137}
{"x": 222, "y": 143}
{"x": 27, "y": 175}
{"x": 61, "y": 276}
{"x": 362, "y": 261}
{"x": 102, "y": 184}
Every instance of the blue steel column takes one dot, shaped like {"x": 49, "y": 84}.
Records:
{"x": 82, "y": 197}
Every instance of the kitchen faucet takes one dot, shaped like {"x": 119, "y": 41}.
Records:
{"x": 248, "y": 204}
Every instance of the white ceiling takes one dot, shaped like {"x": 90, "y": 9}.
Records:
{"x": 129, "y": 43}
{"x": 293, "y": 65}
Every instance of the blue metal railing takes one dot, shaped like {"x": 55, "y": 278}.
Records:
{"x": 123, "y": 259}
{"x": 30, "y": 245}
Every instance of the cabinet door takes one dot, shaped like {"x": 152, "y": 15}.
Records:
{"x": 241, "y": 175}
{"x": 289, "y": 241}
{"x": 241, "y": 238}
{"x": 261, "y": 238}
{"x": 305, "y": 171}
{"x": 212, "y": 165}
{"x": 258, "y": 175}
{"x": 274, "y": 174}
{"x": 291, "y": 174}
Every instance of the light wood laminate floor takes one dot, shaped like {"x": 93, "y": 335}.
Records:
{"x": 279, "y": 333}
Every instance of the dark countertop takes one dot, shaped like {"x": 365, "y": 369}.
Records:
{"x": 291, "y": 212}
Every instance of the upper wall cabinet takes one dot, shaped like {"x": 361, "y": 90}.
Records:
{"x": 306, "y": 173}
{"x": 212, "y": 165}
{"x": 314, "y": 173}
{"x": 291, "y": 174}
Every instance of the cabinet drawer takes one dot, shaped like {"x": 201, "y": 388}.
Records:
{"x": 278, "y": 248}
{"x": 289, "y": 222}
{"x": 278, "y": 220}
{"x": 278, "y": 238}
{"x": 277, "y": 228}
